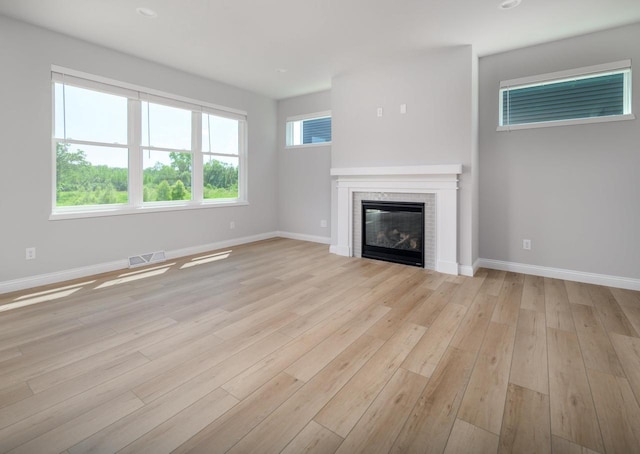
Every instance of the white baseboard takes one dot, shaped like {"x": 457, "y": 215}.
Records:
{"x": 61, "y": 276}
{"x": 558, "y": 273}
{"x": 466, "y": 270}
{"x": 219, "y": 245}
{"x": 76, "y": 273}
{"x": 344, "y": 251}
{"x": 447, "y": 267}
{"x": 305, "y": 237}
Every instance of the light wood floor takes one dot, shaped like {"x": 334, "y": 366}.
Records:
{"x": 280, "y": 346}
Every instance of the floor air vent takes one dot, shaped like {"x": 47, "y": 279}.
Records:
{"x": 144, "y": 259}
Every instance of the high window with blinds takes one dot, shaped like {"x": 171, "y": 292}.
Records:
{"x": 311, "y": 129}
{"x": 586, "y": 95}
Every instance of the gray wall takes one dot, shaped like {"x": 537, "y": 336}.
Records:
{"x": 573, "y": 190}
{"x": 437, "y": 88}
{"x": 27, "y": 53}
{"x": 304, "y": 183}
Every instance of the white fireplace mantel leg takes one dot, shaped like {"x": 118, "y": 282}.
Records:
{"x": 447, "y": 231}
{"x": 344, "y": 221}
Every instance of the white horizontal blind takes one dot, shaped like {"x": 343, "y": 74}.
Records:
{"x": 599, "y": 94}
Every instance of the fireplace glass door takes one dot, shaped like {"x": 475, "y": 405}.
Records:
{"x": 393, "y": 231}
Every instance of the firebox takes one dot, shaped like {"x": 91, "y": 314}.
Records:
{"x": 393, "y": 231}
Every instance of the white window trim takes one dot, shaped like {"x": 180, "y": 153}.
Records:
{"x": 289, "y": 133}
{"x": 137, "y": 94}
{"x": 561, "y": 76}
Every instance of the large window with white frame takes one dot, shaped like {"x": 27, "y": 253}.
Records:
{"x": 120, "y": 149}
{"x": 583, "y": 95}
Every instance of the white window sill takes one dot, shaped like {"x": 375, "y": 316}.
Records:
{"x": 308, "y": 145}
{"x": 577, "y": 121}
{"x": 111, "y": 210}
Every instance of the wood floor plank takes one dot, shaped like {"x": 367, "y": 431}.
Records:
{"x": 562, "y": 446}
{"x": 401, "y": 311}
{"x": 281, "y": 426}
{"x": 483, "y": 402}
{"x": 112, "y": 347}
{"x": 345, "y": 409}
{"x": 190, "y": 330}
{"x": 466, "y": 438}
{"x": 426, "y": 355}
{"x": 30, "y": 406}
{"x": 427, "y": 312}
{"x": 261, "y": 372}
{"x": 469, "y": 288}
{"x": 633, "y": 314}
{"x": 597, "y": 351}
{"x": 618, "y": 412}
{"x": 304, "y": 323}
{"x": 474, "y": 325}
{"x": 493, "y": 282}
{"x": 77, "y": 429}
{"x": 628, "y": 350}
{"x": 578, "y": 293}
{"x": 610, "y": 312}
{"x": 175, "y": 431}
{"x": 14, "y": 393}
{"x": 245, "y": 352}
{"x": 429, "y": 424}
{"x": 533, "y": 293}
{"x": 529, "y": 366}
{"x": 508, "y": 304}
{"x": 165, "y": 407}
{"x": 526, "y": 428}
{"x": 313, "y": 439}
{"x": 573, "y": 414}
{"x": 380, "y": 424}
{"x": 312, "y": 362}
{"x": 625, "y": 297}
{"x": 227, "y": 430}
{"x": 8, "y": 354}
{"x": 557, "y": 309}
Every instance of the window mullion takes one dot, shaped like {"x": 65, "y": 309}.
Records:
{"x": 134, "y": 122}
{"x": 197, "y": 177}
{"x": 243, "y": 185}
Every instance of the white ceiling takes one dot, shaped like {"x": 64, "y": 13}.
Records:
{"x": 244, "y": 42}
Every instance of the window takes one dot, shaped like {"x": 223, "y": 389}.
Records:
{"x": 92, "y": 155}
{"x": 586, "y": 95}
{"x": 166, "y": 153}
{"x": 220, "y": 145}
{"x": 120, "y": 149}
{"x": 309, "y": 130}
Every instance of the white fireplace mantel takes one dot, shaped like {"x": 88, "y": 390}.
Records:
{"x": 441, "y": 180}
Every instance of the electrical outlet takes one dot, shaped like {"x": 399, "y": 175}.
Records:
{"x": 403, "y": 108}
{"x": 526, "y": 245}
{"x": 323, "y": 223}
{"x": 379, "y": 111}
{"x": 30, "y": 253}
{"x": 232, "y": 225}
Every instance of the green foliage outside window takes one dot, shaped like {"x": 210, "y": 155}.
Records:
{"x": 79, "y": 182}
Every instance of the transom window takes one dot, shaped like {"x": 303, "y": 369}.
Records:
{"x": 586, "y": 95}
{"x": 308, "y": 130}
{"x": 120, "y": 149}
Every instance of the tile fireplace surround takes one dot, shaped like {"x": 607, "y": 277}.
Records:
{"x": 441, "y": 180}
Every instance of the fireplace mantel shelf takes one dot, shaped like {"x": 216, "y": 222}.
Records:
{"x": 443, "y": 169}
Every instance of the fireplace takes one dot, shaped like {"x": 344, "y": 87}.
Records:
{"x": 393, "y": 231}
{"x": 436, "y": 185}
